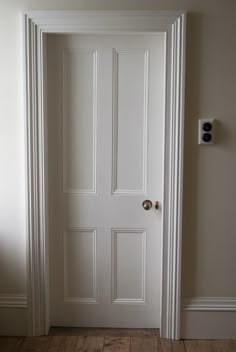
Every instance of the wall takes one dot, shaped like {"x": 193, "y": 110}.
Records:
{"x": 210, "y": 172}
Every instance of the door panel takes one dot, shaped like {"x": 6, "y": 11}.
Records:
{"x": 80, "y": 266}
{"x": 130, "y": 84}
{"x": 79, "y": 92}
{"x": 128, "y": 277}
{"x": 106, "y": 113}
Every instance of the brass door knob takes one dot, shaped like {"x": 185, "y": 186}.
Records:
{"x": 147, "y": 204}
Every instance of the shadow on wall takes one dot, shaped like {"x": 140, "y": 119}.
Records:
{"x": 12, "y": 278}
{"x": 192, "y": 97}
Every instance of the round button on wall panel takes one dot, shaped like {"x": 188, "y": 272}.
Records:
{"x": 207, "y": 126}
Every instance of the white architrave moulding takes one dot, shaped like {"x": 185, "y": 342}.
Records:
{"x": 36, "y": 25}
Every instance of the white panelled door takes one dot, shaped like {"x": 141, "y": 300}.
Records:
{"x": 106, "y": 122}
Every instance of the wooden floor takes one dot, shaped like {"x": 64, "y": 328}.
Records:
{"x": 110, "y": 340}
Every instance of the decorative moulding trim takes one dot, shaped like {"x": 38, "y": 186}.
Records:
{"x": 13, "y": 301}
{"x": 214, "y": 304}
{"x": 36, "y": 25}
{"x": 104, "y": 21}
{"x": 173, "y": 182}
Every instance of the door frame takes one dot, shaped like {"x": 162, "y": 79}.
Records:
{"x": 36, "y": 25}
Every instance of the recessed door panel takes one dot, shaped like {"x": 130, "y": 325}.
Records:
{"x": 129, "y": 275}
{"x": 80, "y": 266}
{"x": 130, "y": 109}
{"x": 79, "y": 120}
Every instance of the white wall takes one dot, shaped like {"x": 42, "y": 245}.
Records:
{"x": 210, "y": 172}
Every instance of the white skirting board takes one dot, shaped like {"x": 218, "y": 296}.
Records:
{"x": 209, "y": 318}
{"x": 13, "y": 315}
{"x": 201, "y": 318}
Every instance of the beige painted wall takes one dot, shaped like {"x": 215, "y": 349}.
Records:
{"x": 209, "y": 238}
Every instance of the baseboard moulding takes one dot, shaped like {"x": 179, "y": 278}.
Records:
{"x": 13, "y": 315}
{"x": 208, "y": 318}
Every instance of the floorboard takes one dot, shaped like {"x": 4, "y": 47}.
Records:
{"x": 210, "y": 345}
{"x": 56, "y": 343}
{"x": 69, "y": 344}
{"x": 144, "y": 344}
{"x": 116, "y": 344}
{"x": 35, "y": 344}
{"x": 171, "y": 346}
{"x": 10, "y": 344}
{"x": 89, "y": 343}
{"x": 141, "y": 341}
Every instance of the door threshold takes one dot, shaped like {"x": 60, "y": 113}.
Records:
{"x": 65, "y": 331}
